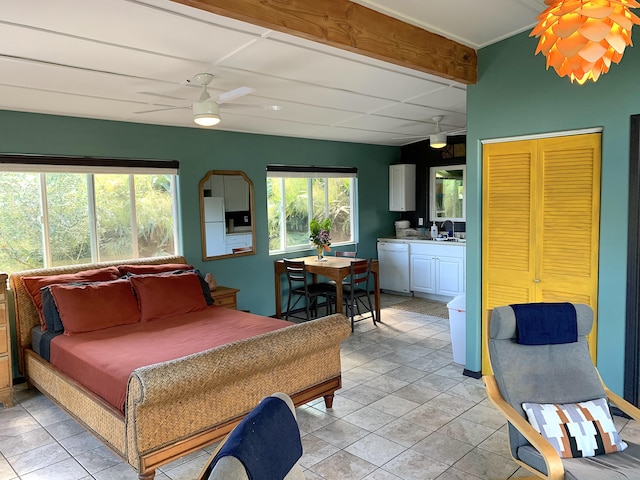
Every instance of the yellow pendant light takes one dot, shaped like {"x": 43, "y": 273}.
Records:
{"x": 581, "y": 38}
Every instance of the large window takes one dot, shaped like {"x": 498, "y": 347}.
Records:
{"x": 62, "y": 217}
{"x": 295, "y": 195}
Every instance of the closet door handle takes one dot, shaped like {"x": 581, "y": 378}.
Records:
{"x": 536, "y": 280}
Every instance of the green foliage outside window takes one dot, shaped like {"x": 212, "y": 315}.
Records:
{"x": 330, "y": 198}
{"x": 69, "y": 213}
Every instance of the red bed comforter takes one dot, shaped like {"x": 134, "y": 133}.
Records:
{"x": 103, "y": 360}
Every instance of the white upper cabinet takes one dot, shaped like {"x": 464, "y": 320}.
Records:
{"x": 402, "y": 188}
{"x": 234, "y": 189}
{"x": 236, "y": 193}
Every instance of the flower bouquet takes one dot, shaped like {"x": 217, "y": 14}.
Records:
{"x": 320, "y": 235}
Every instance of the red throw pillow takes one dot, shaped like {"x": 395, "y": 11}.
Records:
{"x": 148, "y": 269}
{"x": 34, "y": 284}
{"x": 161, "y": 296}
{"x": 95, "y": 306}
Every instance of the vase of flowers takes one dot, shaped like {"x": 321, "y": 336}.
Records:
{"x": 320, "y": 236}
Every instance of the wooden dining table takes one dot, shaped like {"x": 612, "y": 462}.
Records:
{"x": 333, "y": 268}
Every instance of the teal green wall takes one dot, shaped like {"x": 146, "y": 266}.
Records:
{"x": 515, "y": 96}
{"x": 200, "y": 150}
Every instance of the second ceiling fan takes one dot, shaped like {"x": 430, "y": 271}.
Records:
{"x": 206, "y": 111}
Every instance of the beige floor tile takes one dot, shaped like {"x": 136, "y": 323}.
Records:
{"x": 443, "y": 448}
{"x": 363, "y": 394}
{"x": 369, "y": 419}
{"x": 315, "y": 450}
{"x": 17, "y": 444}
{"x": 474, "y": 393}
{"x": 454, "y": 474}
{"x": 6, "y": 472}
{"x": 487, "y": 416}
{"x": 16, "y": 421}
{"x": 341, "y": 433}
{"x": 428, "y": 417}
{"x": 65, "y": 470}
{"x": 187, "y": 470}
{"x": 432, "y": 362}
{"x": 450, "y": 403}
{"x": 416, "y": 393}
{"x": 381, "y": 475}
{"x": 469, "y": 432}
{"x": 343, "y": 465}
{"x": 64, "y": 429}
{"x": 380, "y": 366}
{"x": 436, "y": 382}
{"x": 486, "y": 465}
{"x": 497, "y": 442}
{"x": 98, "y": 459}
{"x": 387, "y": 383}
{"x": 38, "y": 458}
{"x": 310, "y": 419}
{"x": 408, "y": 374}
{"x": 122, "y": 471}
{"x": 410, "y": 465}
{"x": 394, "y": 405}
{"x": 80, "y": 443}
{"x": 342, "y": 406}
{"x": 403, "y": 432}
{"x": 375, "y": 449}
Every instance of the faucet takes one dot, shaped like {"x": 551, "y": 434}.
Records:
{"x": 453, "y": 227}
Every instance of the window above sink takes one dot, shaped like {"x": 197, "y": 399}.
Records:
{"x": 447, "y": 193}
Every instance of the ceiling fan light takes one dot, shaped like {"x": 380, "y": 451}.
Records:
{"x": 438, "y": 140}
{"x": 206, "y": 120}
{"x": 206, "y": 113}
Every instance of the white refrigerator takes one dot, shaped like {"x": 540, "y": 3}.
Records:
{"x": 214, "y": 225}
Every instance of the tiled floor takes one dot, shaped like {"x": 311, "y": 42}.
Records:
{"x": 405, "y": 412}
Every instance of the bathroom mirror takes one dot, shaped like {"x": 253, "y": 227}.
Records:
{"x": 226, "y": 215}
{"x": 447, "y": 193}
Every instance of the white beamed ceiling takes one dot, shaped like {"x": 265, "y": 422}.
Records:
{"x": 95, "y": 58}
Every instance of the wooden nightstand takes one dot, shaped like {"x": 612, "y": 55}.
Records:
{"x": 6, "y": 376}
{"x": 225, "y": 297}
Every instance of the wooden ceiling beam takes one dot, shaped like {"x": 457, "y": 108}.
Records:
{"x": 350, "y": 26}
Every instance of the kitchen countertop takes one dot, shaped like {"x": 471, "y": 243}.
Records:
{"x": 458, "y": 242}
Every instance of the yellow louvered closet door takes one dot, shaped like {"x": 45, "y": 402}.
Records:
{"x": 541, "y": 215}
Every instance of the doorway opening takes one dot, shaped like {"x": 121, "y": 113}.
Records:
{"x": 632, "y": 333}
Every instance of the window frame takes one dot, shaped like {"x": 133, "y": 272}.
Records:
{"x": 282, "y": 172}
{"x": 41, "y": 165}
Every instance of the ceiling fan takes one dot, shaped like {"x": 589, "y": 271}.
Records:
{"x": 206, "y": 111}
{"x": 438, "y": 139}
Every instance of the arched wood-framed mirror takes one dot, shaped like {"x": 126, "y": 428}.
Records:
{"x": 227, "y": 222}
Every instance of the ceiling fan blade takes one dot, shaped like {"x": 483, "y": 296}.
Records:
{"x": 164, "y": 108}
{"x": 235, "y": 93}
{"x": 161, "y": 95}
{"x": 407, "y": 137}
{"x": 251, "y": 106}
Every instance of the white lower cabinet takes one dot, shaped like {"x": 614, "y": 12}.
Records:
{"x": 437, "y": 269}
{"x": 423, "y": 273}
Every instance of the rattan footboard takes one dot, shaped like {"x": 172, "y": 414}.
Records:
{"x": 176, "y": 407}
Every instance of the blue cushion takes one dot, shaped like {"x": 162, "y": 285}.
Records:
{"x": 267, "y": 441}
{"x": 50, "y": 311}
{"x": 546, "y": 323}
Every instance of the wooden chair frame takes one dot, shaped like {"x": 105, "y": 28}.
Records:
{"x": 552, "y": 459}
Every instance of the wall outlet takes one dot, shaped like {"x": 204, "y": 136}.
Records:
{"x": 420, "y": 221}
{"x": 246, "y": 218}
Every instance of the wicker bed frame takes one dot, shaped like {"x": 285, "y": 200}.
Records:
{"x": 177, "y": 407}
